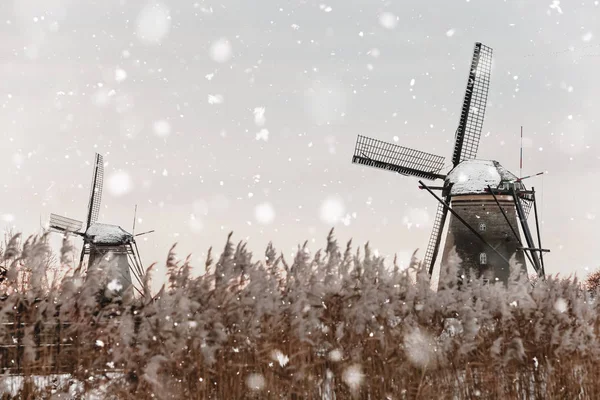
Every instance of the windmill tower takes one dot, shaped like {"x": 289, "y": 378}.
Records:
{"x": 487, "y": 202}
{"x": 103, "y": 241}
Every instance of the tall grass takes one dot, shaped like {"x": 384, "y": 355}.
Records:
{"x": 336, "y": 324}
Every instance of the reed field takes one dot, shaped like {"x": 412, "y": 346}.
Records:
{"x": 339, "y": 323}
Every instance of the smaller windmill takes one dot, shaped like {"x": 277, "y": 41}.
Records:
{"x": 106, "y": 242}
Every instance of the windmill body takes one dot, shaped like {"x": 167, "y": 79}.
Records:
{"x": 108, "y": 247}
{"x": 110, "y": 243}
{"x": 487, "y": 203}
{"x": 469, "y": 196}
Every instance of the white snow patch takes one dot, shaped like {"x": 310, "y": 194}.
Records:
{"x": 119, "y": 183}
{"x": 473, "y": 176}
{"x": 264, "y": 213}
{"x": 107, "y": 234}
{"x": 220, "y": 51}
{"x": 153, "y": 23}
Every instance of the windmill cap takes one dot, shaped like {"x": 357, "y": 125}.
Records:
{"x": 107, "y": 234}
{"x": 474, "y": 176}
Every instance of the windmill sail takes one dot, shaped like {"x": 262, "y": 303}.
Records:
{"x": 96, "y": 191}
{"x": 405, "y": 161}
{"x": 435, "y": 238}
{"x": 62, "y": 224}
{"x": 473, "y": 108}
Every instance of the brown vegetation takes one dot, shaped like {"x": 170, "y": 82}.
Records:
{"x": 337, "y": 324}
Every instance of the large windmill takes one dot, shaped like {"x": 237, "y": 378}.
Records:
{"x": 487, "y": 202}
{"x": 103, "y": 241}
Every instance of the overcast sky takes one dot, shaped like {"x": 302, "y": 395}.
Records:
{"x": 218, "y": 116}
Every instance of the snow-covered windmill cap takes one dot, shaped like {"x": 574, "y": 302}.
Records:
{"x": 107, "y": 234}
{"x": 474, "y": 176}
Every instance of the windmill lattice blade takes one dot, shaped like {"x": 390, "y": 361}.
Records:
{"x": 473, "y": 108}
{"x": 433, "y": 245}
{"x": 96, "y": 191}
{"x": 405, "y": 161}
{"x": 59, "y": 223}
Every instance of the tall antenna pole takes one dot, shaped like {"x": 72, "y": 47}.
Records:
{"x": 134, "y": 218}
{"x": 521, "y": 162}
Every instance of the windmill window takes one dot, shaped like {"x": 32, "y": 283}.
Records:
{"x": 482, "y": 226}
{"x": 482, "y": 258}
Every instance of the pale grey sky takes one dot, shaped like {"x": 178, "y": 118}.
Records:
{"x": 168, "y": 93}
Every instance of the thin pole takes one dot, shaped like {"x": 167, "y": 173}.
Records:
{"x": 509, "y": 224}
{"x": 527, "y": 233}
{"x": 134, "y": 218}
{"x": 537, "y": 227}
{"x": 521, "y": 161}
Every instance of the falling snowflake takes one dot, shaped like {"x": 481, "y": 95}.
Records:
{"x": 263, "y": 135}
{"x": 195, "y": 224}
{"x": 161, "y": 128}
{"x": 335, "y": 355}
{"x": 587, "y": 37}
{"x": 419, "y": 348}
{"x": 255, "y": 381}
{"x": 153, "y": 23}
{"x": 450, "y": 32}
{"x": 556, "y": 6}
{"x": 259, "y": 116}
{"x": 353, "y": 377}
{"x": 220, "y": 51}
{"x": 418, "y": 217}
{"x": 8, "y": 217}
{"x": 388, "y": 20}
{"x": 99, "y": 343}
{"x": 560, "y": 305}
{"x": 264, "y": 213}
{"x": 120, "y": 75}
{"x": 119, "y": 183}
{"x": 114, "y": 285}
{"x": 332, "y": 210}
{"x": 215, "y": 99}
{"x": 281, "y": 358}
